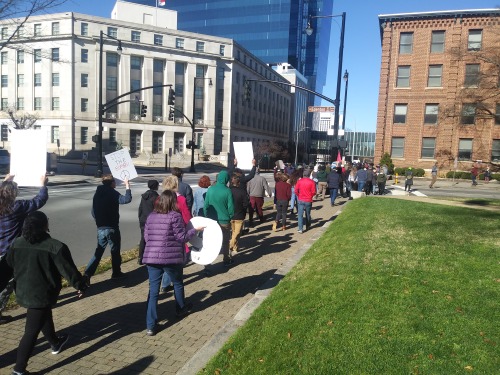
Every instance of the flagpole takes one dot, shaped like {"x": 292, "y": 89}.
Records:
{"x": 156, "y": 18}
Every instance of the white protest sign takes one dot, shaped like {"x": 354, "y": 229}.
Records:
{"x": 243, "y": 151}
{"x": 206, "y": 246}
{"x": 28, "y": 162}
{"x": 120, "y": 164}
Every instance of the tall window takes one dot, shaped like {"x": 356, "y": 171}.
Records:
{"x": 112, "y": 79}
{"x": 54, "y": 134}
{"x": 55, "y": 104}
{"x": 435, "y": 76}
{"x": 84, "y": 28}
{"x": 471, "y": 75}
{"x": 157, "y": 142}
{"x": 428, "y": 147}
{"x": 437, "y": 41}
{"x": 55, "y": 28}
{"x": 5, "y": 33}
{"x": 135, "y": 36}
{"x": 5, "y": 104}
{"x": 497, "y": 115}
{"x": 400, "y": 111}
{"x": 37, "y": 29}
{"x": 84, "y": 104}
{"x": 200, "y": 46}
{"x": 112, "y": 137}
{"x": 474, "y": 40}
{"x": 405, "y": 43}
{"x": 112, "y": 32}
{"x": 222, "y": 49}
{"x": 38, "y": 79}
{"x": 158, "y": 79}
{"x": 397, "y": 147}
{"x": 5, "y": 80}
{"x": 20, "y": 104}
{"x": 4, "y": 58}
{"x": 20, "y": 57}
{"x": 55, "y": 79}
{"x": 431, "y": 114}
{"x": 37, "y": 55}
{"x": 465, "y": 149}
{"x": 85, "y": 55}
{"x": 84, "y": 80}
{"x": 495, "y": 151}
{"x": 55, "y": 54}
{"x": 180, "y": 69}
{"x": 469, "y": 113}
{"x": 158, "y": 40}
{"x": 84, "y": 135}
{"x": 38, "y": 103}
{"x": 5, "y": 133}
{"x": 179, "y": 43}
{"x": 135, "y": 83}
{"x": 403, "y": 79}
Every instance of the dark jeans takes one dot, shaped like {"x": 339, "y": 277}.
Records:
{"x": 381, "y": 188}
{"x": 333, "y": 195}
{"x": 106, "y": 236}
{"x": 36, "y": 320}
{"x": 142, "y": 242}
{"x": 175, "y": 273}
{"x": 281, "y": 208}
{"x": 304, "y": 207}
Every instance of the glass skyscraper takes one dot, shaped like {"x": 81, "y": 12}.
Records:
{"x": 273, "y": 30}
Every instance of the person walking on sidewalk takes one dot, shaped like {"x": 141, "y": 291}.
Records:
{"x": 240, "y": 201}
{"x": 305, "y": 190}
{"x": 199, "y": 195}
{"x": 434, "y": 174}
{"x": 283, "y": 195}
{"x": 219, "y": 206}
{"x": 166, "y": 235}
{"x": 409, "y": 179}
{"x": 39, "y": 262}
{"x": 106, "y": 212}
{"x": 381, "y": 180}
{"x": 184, "y": 189}
{"x": 322, "y": 177}
{"x": 12, "y": 215}
{"x": 257, "y": 188}
{"x": 145, "y": 208}
{"x": 473, "y": 175}
{"x": 487, "y": 175}
{"x": 361, "y": 176}
{"x": 293, "y": 180}
{"x": 333, "y": 183}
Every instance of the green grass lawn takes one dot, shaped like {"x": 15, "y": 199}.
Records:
{"x": 392, "y": 287}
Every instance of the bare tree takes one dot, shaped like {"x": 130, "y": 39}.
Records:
{"x": 19, "y": 11}
{"x": 21, "y": 120}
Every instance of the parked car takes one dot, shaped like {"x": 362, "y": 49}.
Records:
{"x": 4, "y": 161}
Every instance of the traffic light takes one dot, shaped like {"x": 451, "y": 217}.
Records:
{"x": 171, "y": 97}
{"x": 144, "y": 109}
{"x": 171, "y": 114}
{"x": 248, "y": 91}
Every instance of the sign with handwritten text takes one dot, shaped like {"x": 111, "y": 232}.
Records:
{"x": 120, "y": 164}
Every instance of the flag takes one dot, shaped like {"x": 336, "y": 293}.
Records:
{"x": 161, "y": 3}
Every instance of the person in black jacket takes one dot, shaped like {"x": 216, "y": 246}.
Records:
{"x": 145, "y": 208}
{"x": 184, "y": 189}
{"x": 240, "y": 200}
{"x": 38, "y": 262}
{"x": 105, "y": 210}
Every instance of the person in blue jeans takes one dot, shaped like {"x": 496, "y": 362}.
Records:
{"x": 165, "y": 233}
{"x": 105, "y": 210}
{"x": 305, "y": 189}
{"x": 334, "y": 180}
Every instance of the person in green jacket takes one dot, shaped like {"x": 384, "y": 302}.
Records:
{"x": 38, "y": 262}
{"x": 219, "y": 206}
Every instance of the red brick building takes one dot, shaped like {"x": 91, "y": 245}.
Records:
{"x": 439, "y": 97}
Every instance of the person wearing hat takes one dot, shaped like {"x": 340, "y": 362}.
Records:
{"x": 409, "y": 179}
{"x": 145, "y": 208}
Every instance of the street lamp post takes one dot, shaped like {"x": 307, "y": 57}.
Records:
{"x": 346, "y": 79}
{"x": 309, "y": 31}
{"x": 297, "y": 143}
{"x": 192, "y": 145}
{"x": 100, "y": 105}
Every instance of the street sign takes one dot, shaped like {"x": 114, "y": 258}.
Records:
{"x": 312, "y": 108}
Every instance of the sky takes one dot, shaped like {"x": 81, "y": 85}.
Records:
{"x": 362, "y": 48}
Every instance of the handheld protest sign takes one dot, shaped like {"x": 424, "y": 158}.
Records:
{"x": 120, "y": 164}
{"x": 207, "y": 244}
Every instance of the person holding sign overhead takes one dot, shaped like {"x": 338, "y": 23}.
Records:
{"x": 105, "y": 210}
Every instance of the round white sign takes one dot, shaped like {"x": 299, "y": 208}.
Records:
{"x": 206, "y": 245}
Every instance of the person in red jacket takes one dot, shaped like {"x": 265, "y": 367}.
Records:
{"x": 283, "y": 194}
{"x": 305, "y": 189}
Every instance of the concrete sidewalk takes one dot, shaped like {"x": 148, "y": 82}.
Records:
{"x": 108, "y": 329}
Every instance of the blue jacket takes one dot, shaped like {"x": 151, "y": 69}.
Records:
{"x": 165, "y": 236}
{"x": 11, "y": 224}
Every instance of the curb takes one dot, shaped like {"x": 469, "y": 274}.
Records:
{"x": 210, "y": 349}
